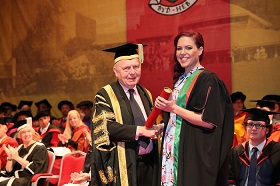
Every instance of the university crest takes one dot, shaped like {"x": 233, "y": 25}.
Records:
{"x": 171, "y": 7}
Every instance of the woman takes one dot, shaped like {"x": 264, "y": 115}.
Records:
{"x": 28, "y": 159}
{"x": 199, "y": 124}
{"x": 73, "y": 136}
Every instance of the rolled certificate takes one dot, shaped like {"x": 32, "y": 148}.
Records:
{"x": 155, "y": 112}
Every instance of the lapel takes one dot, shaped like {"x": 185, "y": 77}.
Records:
{"x": 124, "y": 98}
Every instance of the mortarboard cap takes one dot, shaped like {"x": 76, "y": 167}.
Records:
{"x": 257, "y": 114}
{"x": 65, "y": 102}
{"x": 127, "y": 51}
{"x": 21, "y": 113}
{"x": 272, "y": 97}
{"x": 265, "y": 103}
{"x": 42, "y": 114}
{"x": 22, "y": 103}
{"x": 237, "y": 95}
{"x": 85, "y": 103}
{"x": 44, "y": 101}
{"x": 10, "y": 105}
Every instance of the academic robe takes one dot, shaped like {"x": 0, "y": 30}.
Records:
{"x": 37, "y": 156}
{"x": 202, "y": 153}
{"x": 268, "y": 165}
{"x": 50, "y": 137}
{"x": 3, "y": 156}
{"x": 115, "y": 150}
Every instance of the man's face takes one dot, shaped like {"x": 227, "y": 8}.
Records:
{"x": 85, "y": 110}
{"x": 43, "y": 106}
{"x": 256, "y": 131}
{"x": 22, "y": 117}
{"x": 44, "y": 121}
{"x": 8, "y": 111}
{"x": 238, "y": 105}
{"x": 128, "y": 72}
{"x": 65, "y": 109}
{"x": 3, "y": 130}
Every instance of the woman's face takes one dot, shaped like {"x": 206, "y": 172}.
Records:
{"x": 187, "y": 53}
{"x": 26, "y": 135}
{"x": 74, "y": 120}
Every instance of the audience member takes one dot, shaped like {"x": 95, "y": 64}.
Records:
{"x": 73, "y": 135}
{"x": 46, "y": 133}
{"x": 5, "y": 140}
{"x": 238, "y": 99}
{"x": 24, "y": 106}
{"x": 85, "y": 109}
{"x": 64, "y": 106}
{"x": 257, "y": 161}
{"x": 17, "y": 122}
{"x": 9, "y": 109}
{"x": 44, "y": 105}
{"x": 28, "y": 159}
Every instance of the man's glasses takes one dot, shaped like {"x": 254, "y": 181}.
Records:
{"x": 258, "y": 126}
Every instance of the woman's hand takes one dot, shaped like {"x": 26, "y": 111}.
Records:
{"x": 63, "y": 138}
{"x": 79, "y": 177}
{"x": 7, "y": 151}
{"x": 13, "y": 152}
{"x": 164, "y": 104}
{"x": 36, "y": 137}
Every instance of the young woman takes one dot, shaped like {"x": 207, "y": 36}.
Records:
{"x": 198, "y": 120}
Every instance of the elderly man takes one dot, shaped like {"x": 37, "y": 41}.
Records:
{"x": 124, "y": 150}
{"x": 257, "y": 161}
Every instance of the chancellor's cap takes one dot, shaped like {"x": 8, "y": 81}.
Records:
{"x": 22, "y": 103}
{"x": 127, "y": 51}
{"x": 257, "y": 114}
{"x": 44, "y": 101}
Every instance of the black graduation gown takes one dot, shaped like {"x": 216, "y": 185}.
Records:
{"x": 268, "y": 164}
{"x": 202, "y": 157}
{"x": 106, "y": 155}
{"x": 37, "y": 155}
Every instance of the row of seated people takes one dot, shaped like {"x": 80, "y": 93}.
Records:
{"x": 268, "y": 103}
{"x": 23, "y": 109}
{"x": 76, "y": 137}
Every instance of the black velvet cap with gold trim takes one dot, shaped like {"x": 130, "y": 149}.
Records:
{"x": 127, "y": 51}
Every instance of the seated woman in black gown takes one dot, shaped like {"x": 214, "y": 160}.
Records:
{"x": 29, "y": 158}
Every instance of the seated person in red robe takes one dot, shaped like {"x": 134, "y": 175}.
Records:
{"x": 73, "y": 136}
{"x": 5, "y": 140}
{"x": 46, "y": 133}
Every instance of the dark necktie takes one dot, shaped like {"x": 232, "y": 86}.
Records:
{"x": 252, "y": 168}
{"x": 139, "y": 119}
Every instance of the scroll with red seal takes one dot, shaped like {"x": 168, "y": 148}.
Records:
{"x": 155, "y": 112}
